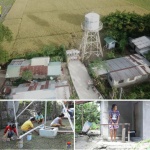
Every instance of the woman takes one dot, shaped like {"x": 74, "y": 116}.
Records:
{"x": 114, "y": 117}
{"x": 57, "y": 122}
{"x": 10, "y": 130}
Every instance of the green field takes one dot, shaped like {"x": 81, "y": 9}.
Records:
{"x": 141, "y": 3}
{"x": 6, "y": 6}
{"x": 38, "y": 22}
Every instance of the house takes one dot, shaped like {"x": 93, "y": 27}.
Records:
{"x": 41, "y": 90}
{"x": 126, "y": 70}
{"x": 110, "y": 42}
{"x": 133, "y": 112}
{"x": 41, "y": 67}
{"x": 141, "y": 45}
{"x": 73, "y": 54}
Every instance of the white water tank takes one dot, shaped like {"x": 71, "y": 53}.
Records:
{"x": 49, "y": 132}
{"x": 92, "y": 21}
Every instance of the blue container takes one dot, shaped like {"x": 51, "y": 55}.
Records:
{"x": 29, "y": 137}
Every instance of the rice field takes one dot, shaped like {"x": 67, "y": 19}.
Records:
{"x": 38, "y": 22}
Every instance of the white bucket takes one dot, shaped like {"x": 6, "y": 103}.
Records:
{"x": 29, "y": 136}
{"x": 20, "y": 143}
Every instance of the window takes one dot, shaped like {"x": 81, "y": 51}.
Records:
{"x": 130, "y": 79}
{"x": 110, "y": 78}
{"x": 121, "y": 81}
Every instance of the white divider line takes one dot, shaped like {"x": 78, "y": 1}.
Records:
{"x": 40, "y": 126}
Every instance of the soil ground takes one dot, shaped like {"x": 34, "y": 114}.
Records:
{"x": 37, "y": 142}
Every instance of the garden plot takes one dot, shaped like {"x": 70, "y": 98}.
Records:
{"x": 38, "y": 142}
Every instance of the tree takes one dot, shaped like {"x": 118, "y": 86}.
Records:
{"x": 90, "y": 113}
{"x": 27, "y": 75}
{"x": 3, "y": 56}
{"x": 121, "y": 25}
{"x": 5, "y": 33}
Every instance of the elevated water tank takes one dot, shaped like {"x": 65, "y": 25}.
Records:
{"x": 92, "y": 21}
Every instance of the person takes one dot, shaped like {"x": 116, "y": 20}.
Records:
{"x": 28, "y": 125}
{"x": 9, "y": 131}
{"x": 114, "y": 116}
{"x": 57, "y": 122}
{"x": 39, "y": 118}
{"x": 70, "y": 111}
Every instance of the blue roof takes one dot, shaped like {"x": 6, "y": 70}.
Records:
{"x": 54, "y": 69}
{"x": 109, "y": 40}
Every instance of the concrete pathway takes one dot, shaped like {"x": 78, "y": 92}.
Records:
{"x": 80, "y": 78}
{"x": 95, "y": 143}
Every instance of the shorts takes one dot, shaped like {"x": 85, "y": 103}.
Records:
{"x": 111, "y": 127}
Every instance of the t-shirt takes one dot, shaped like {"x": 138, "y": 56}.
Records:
{"x": 114, "y": 115}
{"x": 27, "y": 125}
{"x": 10, "y": 128}
{"x": 55, "y": 121}
{"x": 39, "y": 117}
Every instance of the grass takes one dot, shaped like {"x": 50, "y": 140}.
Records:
{"x": 6, "y": 6}
{"x": 142, "y": 3}
{"x": 38, "y": 22}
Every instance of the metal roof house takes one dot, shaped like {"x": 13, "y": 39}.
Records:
{"x": 54, "y": 69}
{"x": 41, "y": 90}
{"x": 125, "y": 71}
{"x": 141, "y": 45}
{"x": 110, "y": 42}
{"x": 41, "y": 67}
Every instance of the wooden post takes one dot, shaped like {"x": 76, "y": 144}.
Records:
{"x": 82, "y": 116}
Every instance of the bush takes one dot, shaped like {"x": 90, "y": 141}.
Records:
{"x": 110, "y": 55}
{"x": 121, "y": 25}
{"x": 27, "y": 75}
{"x": 139, "y": 92}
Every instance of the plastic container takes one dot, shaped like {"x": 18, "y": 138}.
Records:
{"x": 29, "y": 137}
{"x": 69, "y": 146}
{"x": 20, "y": 143}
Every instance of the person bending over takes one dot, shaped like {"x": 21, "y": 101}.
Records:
{"x": 28, "y": 125}
{"x": 39, "y": 118}
{"x": 57, "y": 122}
{"x": 114, "y": 117}
{"x": 10, "y": 130}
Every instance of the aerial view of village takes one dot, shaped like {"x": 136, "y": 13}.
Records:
{"x": 75, "y": 49}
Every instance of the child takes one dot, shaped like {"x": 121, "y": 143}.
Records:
{"x": 10, "y": 130}
{"x": 39, "y": 118}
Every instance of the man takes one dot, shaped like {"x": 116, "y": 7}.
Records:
{"x": 39, "y": 118}
{"x": 10, "y": 130}
{"x": 28, "y": 125}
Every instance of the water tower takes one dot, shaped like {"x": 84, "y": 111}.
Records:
{"x": 91, "y": 43}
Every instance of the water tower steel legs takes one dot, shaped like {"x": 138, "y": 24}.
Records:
{"x": 91, "y": 44}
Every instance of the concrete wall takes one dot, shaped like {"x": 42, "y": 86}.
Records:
{"x": 104, "y": 119}
{"x": 146, "y": 120}
{"x": 137, "y": 79}
{"x": 134, "y": 112}
{"x": 138, "y": 118}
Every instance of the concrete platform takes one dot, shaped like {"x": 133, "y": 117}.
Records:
{"x": 80, "y": 78}
{"x": 95, "y": 143}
